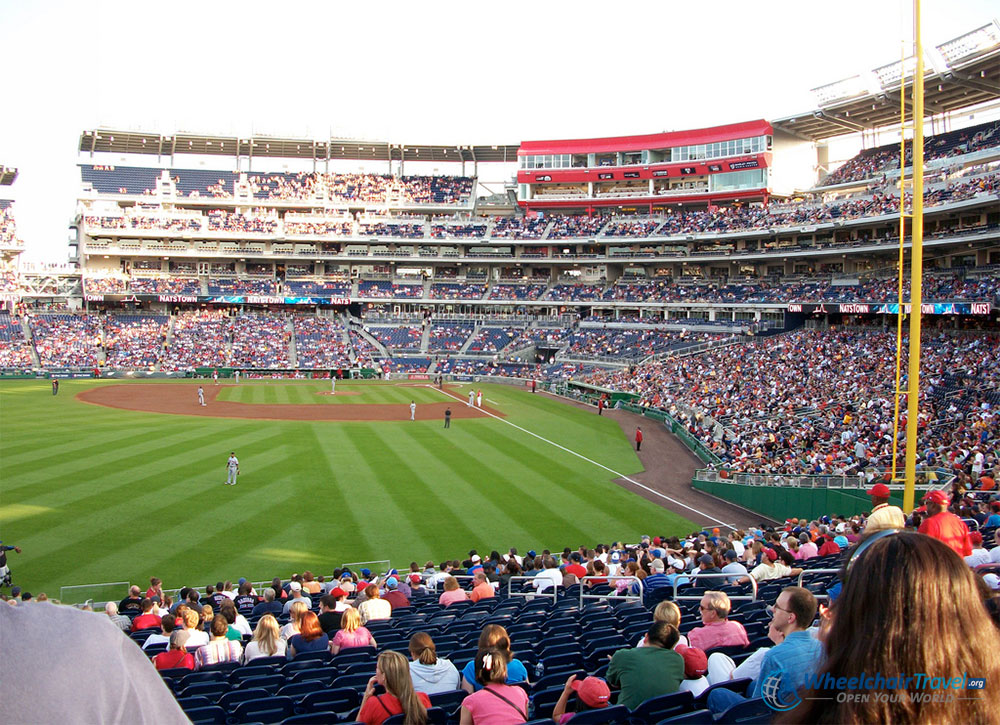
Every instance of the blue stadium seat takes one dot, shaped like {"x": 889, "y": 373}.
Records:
{"x": 695, "y": 717}
{"x": 264, "y": 710}
{"x": 449, "y": 700}
{"x": 234, "y": 697}
{"x": 609, "y": 714}
{"x": 751, "y": 712}
{"x": 664, "y": 706}
{"x": 213, "y": 715}
{"x": 341, "y": 699}
{"x": 312, "y": 718}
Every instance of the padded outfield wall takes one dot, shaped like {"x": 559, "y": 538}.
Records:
{"x": 782, "y": 502}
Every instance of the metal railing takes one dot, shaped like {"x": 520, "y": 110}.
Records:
{"x": 626, "y": 597}
{"x": 693, "y": 580}
{"x": 807, "y": 572}
{"x": 552, "y": 592}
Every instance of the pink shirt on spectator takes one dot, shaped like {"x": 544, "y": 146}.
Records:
{"x": 360, "y": 637}
{"x": 807, "y": 551}
{"x": 455, "y": 595}
{"x": 718, "y": 634}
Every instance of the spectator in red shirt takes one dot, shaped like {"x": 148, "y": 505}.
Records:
{"x": 944, "y": 525}
{"x": 395, "y": 597}
{"x": 155, "y": 588}
{"x": 828, "y": 546}
{"x": 177, "y": 655}
{"x": 575, "y": 567}
{"x": 147, "y": 619}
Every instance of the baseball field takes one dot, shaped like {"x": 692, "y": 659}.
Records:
{"x": 111, "y": 481}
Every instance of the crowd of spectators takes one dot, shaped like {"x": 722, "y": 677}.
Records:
{"x": 381, "y": 229}
{"x": 324, "y": 288}
{"x": 871, "y": 163}
{"x": 66, "y": 341}
{"x": 519, "y": 227}
{"x": 8, "y": 227}
{"x": 320, "y": 343}
{"x": 319, "y": 228}
{"x": 401, "y": 338}
{"x": 105, "y": 285}
{"x": 260, "y": 341}
{"x": 140, "y": 220}
{"x": 507, "y": 291}
{"x": 458, "y": 231}
{"x": 241, "y": 286}
{"x": 821, "y": 402}
{"x": 134, "y": 341}
{"x": 448, "y": 336}
{"x": 455, "y": 291}
{"x": 260, "y": 221}
{"x": 165, "y": 286}
{"x": 493, "y": 339}
{"x": 15, "y": 351}
{"x": 632, "y": 344}
{"x": 563, "y": 227}
{"x": 200, "y": 338}
{"x": 574, "y": 292}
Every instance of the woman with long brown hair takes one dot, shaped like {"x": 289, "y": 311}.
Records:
{"x": 393, "y": 673}
{"x": 909, "y": 605}
{"x": 494, "y": 636}
{"x": 431, "y": 674}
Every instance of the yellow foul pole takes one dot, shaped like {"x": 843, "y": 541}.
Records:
{"x": 916, "y": 265}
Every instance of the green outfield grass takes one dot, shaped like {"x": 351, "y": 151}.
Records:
{"x": 94, "y": 494}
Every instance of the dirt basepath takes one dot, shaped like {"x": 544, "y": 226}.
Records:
{"x": 669, "y": 468}
{"x": 183, "y": 400}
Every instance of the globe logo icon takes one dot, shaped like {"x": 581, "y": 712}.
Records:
{"x": 770, "y": 691}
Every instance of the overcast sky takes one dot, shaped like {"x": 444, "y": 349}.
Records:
{"x": 441, "y": 72}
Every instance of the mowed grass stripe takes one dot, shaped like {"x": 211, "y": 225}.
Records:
{"x": 148, "y": 456}
{"x": 179, "y": 477}
{"x": 396, "y": 489}
{"x": 70, "y": 457}
{"x": 341, "y": 465}
{"x": 479, "y": 486}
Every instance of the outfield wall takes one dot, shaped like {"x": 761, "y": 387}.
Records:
{"x": 782, "y": 502}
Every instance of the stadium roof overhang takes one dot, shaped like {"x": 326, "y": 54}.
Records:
{"x": 136, "y": 142}
{"x": 961, "y": 73}
{"x": 7, "y": 175}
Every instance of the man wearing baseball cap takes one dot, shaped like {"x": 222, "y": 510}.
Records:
{"x": 944, "y": 525}
{"x": 883, "y": 516}
{"x": 592, "y": 693}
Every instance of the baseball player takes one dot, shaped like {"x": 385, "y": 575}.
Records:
{"x": 237, "y": 377}
{"x": 479, "y": 398}
{"x": 472, "y": 398}
{"x": 215, "y": 375}
{"x": 233, "y": 466}
{"x": 333, "y": 384}
{"x": 201, "y": 396}
{"x": 5, "y": 577}
{"x": 413, "y": 410}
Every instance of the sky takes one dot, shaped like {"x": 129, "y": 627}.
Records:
{"x": 429, "y": 72}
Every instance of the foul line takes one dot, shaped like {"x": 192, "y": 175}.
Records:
{"x": 589, "y": 460}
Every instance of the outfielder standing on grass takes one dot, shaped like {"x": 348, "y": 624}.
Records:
{"x": 413, "y": 410}
{"x": 233, "y": 467}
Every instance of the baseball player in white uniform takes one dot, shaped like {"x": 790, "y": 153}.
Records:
{"x": 472, "y": 398}
{"x": 333, "y": 385}
{"x": 201, "y": 396}
{"x": 233, "y": 466}
{"x": 413, "y": 410}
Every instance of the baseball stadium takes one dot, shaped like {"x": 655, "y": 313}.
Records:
{"x": 309, "y": 430}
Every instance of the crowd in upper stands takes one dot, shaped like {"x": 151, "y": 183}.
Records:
{"x": 821, "y": 402}
{"x": 871, "y": 163}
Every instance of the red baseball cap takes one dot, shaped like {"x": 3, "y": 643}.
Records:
{"x": 695, "y": 662}
{"x": 938, "y": 497}
{"x": 771, "y": 554}
{"x": 592, "y": 691}
{"x": 337, "y": 592}
{"x": 880, "y": 490}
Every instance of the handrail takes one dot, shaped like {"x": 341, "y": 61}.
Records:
{"x": 552, "y": 592}
{"x": 626, "y": 597}
{"x": 816, "y": 571}
{"x": 695, "y": 576}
